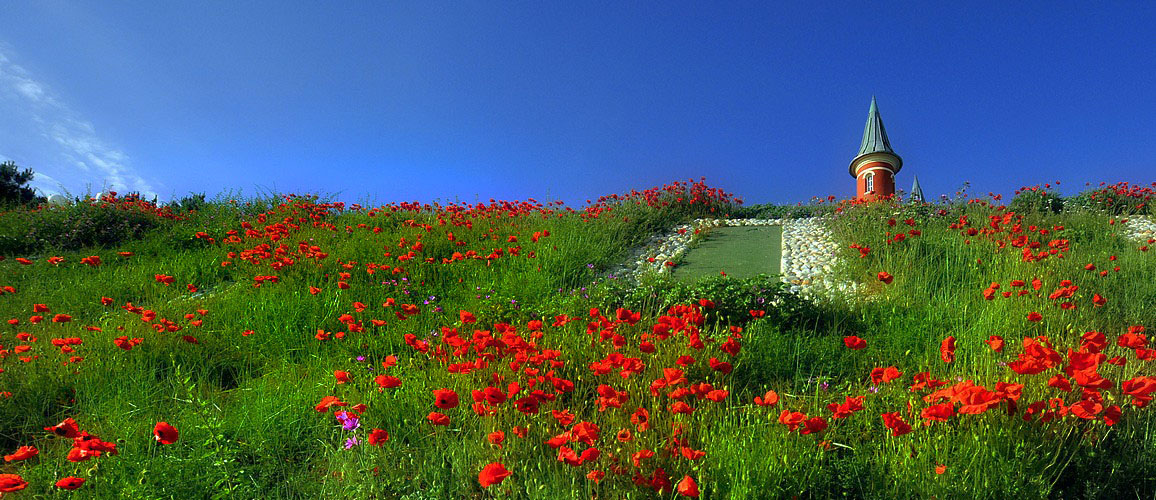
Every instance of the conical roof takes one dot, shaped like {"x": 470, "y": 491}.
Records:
{"x": 916, "y": 191}
{"x": 875, "y": 137}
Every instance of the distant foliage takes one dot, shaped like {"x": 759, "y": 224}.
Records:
{"x": 772, "y": 211}
{"x": 1121, "y": 198}
{"x": 99, "y": 223}
{"x": 13, "y": 185}
{"x": 1036, "y": 200}
{"x": 194, "y": 202}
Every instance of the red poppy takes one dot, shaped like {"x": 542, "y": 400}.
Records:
{"x": 492, "y": 474}
{"x": 70, "y": 483}
{"x": 595, "y": 475}
{"x": 39, "y": 308}
{"x": 641, "y": 419}
{"x": 563, "y": 417}
{"x": 687, "y": 487}
{"x": 720, "y": 366}
{"x": 527, "y": 405}
{"x": 61, "y": 318}
{"x": 445, "y": 398}
{"x": 884, "y": 375}
{"x": 637, "y": 457}
{"x": 939, "y": 413}
{"x": 1098, "y": 300}
{"x": 1134, "y": 339}
{"x": 467, "y": 317}
{"x": 1060, "y": 382}
{"x": 976, "y": 400}
{"x": 1086, "y": 409}
{"x": 947, "y": 350}
{"x": 854, "y": 343}
{"x": 377, "y": 437}
{"x": 12, "y": 482}
{"x": 387, "y": 381}
{"x": 22, "y": 453}
{"x": 585, "y": 432}
{"x": 328, "y": 401}
{"x": 894, "y": 422}
{"x": 1034, "y": 316}
{"x": 847, "y": 408}
{"x": 67, "y": 429}
{"x": 1140, "y": 388}
{"x": 995, "y": 342}
{"x": 496, "y": 438}
{"x": 771, "y": 398}
{"x": 436, "y": 418}
{"x": 341, "y": 376}
{"x": 885, "y": 277}
{"x": 791, "y": 419}
{"x": 165, "y": 433}
{"x": 1112, "y": 415}
{"x": 813, "y": 425}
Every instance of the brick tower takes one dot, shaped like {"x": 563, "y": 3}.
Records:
{"x": 875, "y": 166}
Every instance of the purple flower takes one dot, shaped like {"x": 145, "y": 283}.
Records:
{"x": 351, "y": 442}
{"x": 349, "y": 422}
{"x": 361, "y": 358}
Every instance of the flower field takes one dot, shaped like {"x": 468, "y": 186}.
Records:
{"x": 288, "y": 347}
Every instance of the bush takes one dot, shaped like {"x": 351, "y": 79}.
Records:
{"x": 772, "y": 211}
{"x": 734, "y": 299}
{"x": 1036, "y": 200}
{"x": 1117, "y": 199}
{"x": 75, "y": 226}
{"x": 192, "y": 203}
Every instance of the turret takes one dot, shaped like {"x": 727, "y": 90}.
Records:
{"x": 875, "y": 166}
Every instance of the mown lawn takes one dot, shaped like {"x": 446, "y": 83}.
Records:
{"x": 741, "y": 252}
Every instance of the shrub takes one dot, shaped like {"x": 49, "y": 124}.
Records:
{"x": 1036, "y": 200}
{"x": 1121, "y": 198}
{"x": 69, "y": 227}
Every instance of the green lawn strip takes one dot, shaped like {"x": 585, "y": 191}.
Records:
{"x": 741, "y": 251}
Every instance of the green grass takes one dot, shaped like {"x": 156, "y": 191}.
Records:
{"x": 244, "y": 404}
{"x": 739, "y": 251}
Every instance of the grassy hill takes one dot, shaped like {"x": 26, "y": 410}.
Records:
{"x": 285, "y": 338}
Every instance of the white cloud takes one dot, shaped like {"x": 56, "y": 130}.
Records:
{"x": 77, "y": 159}
{"x": 45, "y": 185}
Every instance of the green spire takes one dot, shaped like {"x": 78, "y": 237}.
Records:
{"x": 916, "y": 191}
{"x": 874, "y": 135}
{"x": 875, "y": 140}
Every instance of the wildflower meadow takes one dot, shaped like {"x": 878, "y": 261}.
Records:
{"x": 291, "y": 346}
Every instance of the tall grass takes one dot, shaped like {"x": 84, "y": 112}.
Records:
{"x": 244, "y": 403}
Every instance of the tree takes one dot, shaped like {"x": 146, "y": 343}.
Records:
{"x": 13, "y": 185}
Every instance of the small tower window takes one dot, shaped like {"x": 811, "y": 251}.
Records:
{"x": 869, "y": 182}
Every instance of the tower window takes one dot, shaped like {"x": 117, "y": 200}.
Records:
{"x": 869, "y": 182}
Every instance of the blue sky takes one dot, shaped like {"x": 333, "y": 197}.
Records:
{"x": 393, "y": 101}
